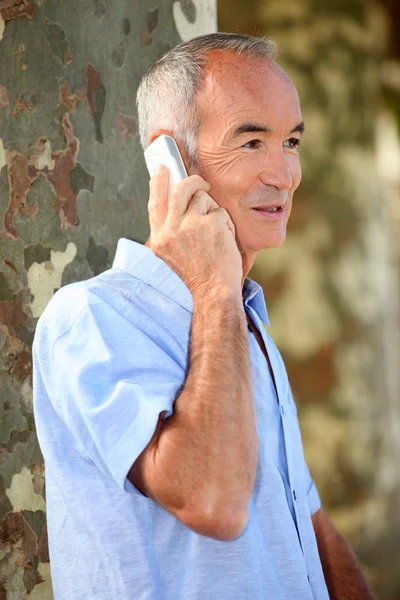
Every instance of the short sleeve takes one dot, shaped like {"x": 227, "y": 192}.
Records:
{"x": 113, "y": 380}
{"x": 314, "y": 501}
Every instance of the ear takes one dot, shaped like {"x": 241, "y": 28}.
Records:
{"x": 155, "y": 134}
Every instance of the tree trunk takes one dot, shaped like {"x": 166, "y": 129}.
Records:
{"x": 72, "y": 181}
{"x": 332, "y": 289}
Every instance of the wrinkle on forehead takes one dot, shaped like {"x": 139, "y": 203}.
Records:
{"x": 231, "y": 77}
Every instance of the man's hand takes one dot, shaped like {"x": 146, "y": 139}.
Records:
{"x": 343, "y": 576}
{"x": 201, "y": 463}
{"x": 193, "y": 235}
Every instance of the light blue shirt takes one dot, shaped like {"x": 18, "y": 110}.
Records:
{"x": 110, "y": 354}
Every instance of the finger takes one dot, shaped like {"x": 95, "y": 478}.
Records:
{"x": 199, "y": 204}
{"x": 158, "y": 199}
{"x": 182, "y": 194}
{"x": 223, "y": 216}
{"x": 212, "y": 204}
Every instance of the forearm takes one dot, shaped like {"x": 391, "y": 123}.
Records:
{"x": 343, "y": 575}
{"x": 207, "y": 452}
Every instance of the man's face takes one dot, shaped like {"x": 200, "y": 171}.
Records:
{"x": 247, "y": 145}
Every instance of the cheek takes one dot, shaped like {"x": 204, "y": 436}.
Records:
{"x": 295, "y": 169}
{"x": 229, "y": 178}
{"x": 220, "y": 169}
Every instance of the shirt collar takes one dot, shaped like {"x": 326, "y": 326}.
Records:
{"x": 141, "y": 262}
{"x": 253, "y": 297}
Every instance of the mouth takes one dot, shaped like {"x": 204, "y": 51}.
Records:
{"x": 269, "y": 209}
{"x": 274, "y": 212}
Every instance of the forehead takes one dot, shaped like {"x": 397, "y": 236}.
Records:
{"x": 236, "y": 87}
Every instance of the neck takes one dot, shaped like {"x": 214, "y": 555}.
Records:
{"x": 248, "y": 259}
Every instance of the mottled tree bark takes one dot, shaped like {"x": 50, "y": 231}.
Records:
{"x": 332, "y": 289}
{"x": 72, "y": 181}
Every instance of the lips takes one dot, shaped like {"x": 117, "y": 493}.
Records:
{"x": 273, "y": 212}
{"x": 271, "y": 209}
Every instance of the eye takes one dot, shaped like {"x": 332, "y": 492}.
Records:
{"x": 292, "y": 143}
{"x": 252, "y": 145}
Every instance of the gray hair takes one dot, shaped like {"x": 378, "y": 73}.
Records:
{"x": 166, "y": 94}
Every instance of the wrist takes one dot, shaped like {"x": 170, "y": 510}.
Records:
{"x": 218, "y": 294}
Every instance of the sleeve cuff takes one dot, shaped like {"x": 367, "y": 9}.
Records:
{"x": 132, "y": 444}
{"x": 314, "y": 501}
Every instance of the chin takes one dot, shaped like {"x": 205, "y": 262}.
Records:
{"x": 274, "y": 241}
{"x": 270, "y": 241}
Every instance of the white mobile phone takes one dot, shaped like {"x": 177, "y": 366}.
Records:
{"x": 164, "y": 151}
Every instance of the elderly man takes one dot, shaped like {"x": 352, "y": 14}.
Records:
{"x": 174, "y": 463}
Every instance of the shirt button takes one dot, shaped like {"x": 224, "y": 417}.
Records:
{"x": 282, "y": 410}
{"x": 294, "y": 494}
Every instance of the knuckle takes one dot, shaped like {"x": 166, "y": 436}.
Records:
{"x": 199, "y": 195}
{"x": 222, "y": 211}
{"x": 196, "y": 178}
{"x": 159, "y": 243}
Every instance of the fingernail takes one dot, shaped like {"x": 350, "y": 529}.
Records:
{"x": 158, "y": 169}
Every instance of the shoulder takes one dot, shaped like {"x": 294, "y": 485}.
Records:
{"x": 105, "y": 294}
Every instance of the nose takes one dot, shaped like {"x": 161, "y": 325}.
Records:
{"x": 276, "y": 171}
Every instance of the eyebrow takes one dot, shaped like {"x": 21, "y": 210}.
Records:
{"x": 252, "y": 127}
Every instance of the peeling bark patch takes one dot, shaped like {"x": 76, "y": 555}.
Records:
{"x": 45, "y": 277}
{"x": 38, "y": 478}
{"x": 17, "y": 437}
{"x": 69, "y": 99}
{"x": 21, "y": 105}
{"x": 43, "y": 546}
{"x": 35, "y": 519}
{"x": 29, "y": 545}
{"x": 118, "y": 56}
{"x": 57, "y": 39}
{"x": 55, "y": 167}
{"x": 99, "y": 8}
{"x": 96, "y": 98}
{"x": 194, "y": 17}
{"x": 5, "y": 290}
{"x": 97, "y": 257}
{"x": 4, "y": 99}
{"x": 93, "y": 83}
{"x": 18, "y": 360}
{"x": 14, "y": 9}
{"x": 19, "y": 364}
{"x": 10, "y": 265}
{"x": 5, "y": 505}
{"x": 126, "y": 125}
{"x": 315, "y": 375}
{"x": 67, "y": 58}
{"x": 189, "y": 10}
{"x": 20, "y": 182}
{"x": 22, "y": 494}
{"x": 3, "y": 160}
{"x": 44, "y": 157}
{"x": 11, "y": 529}
{"x": 126, "y": 26}
{"x": 81, "y": 179}
{"x": 12, "y": 314}
{"x": 58, "y": 177}
{"x": 16, "y": 535}
{"x": 35, "y": 253}
{"x": 151, "y": 26}
{"x": 31, "y": 579}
